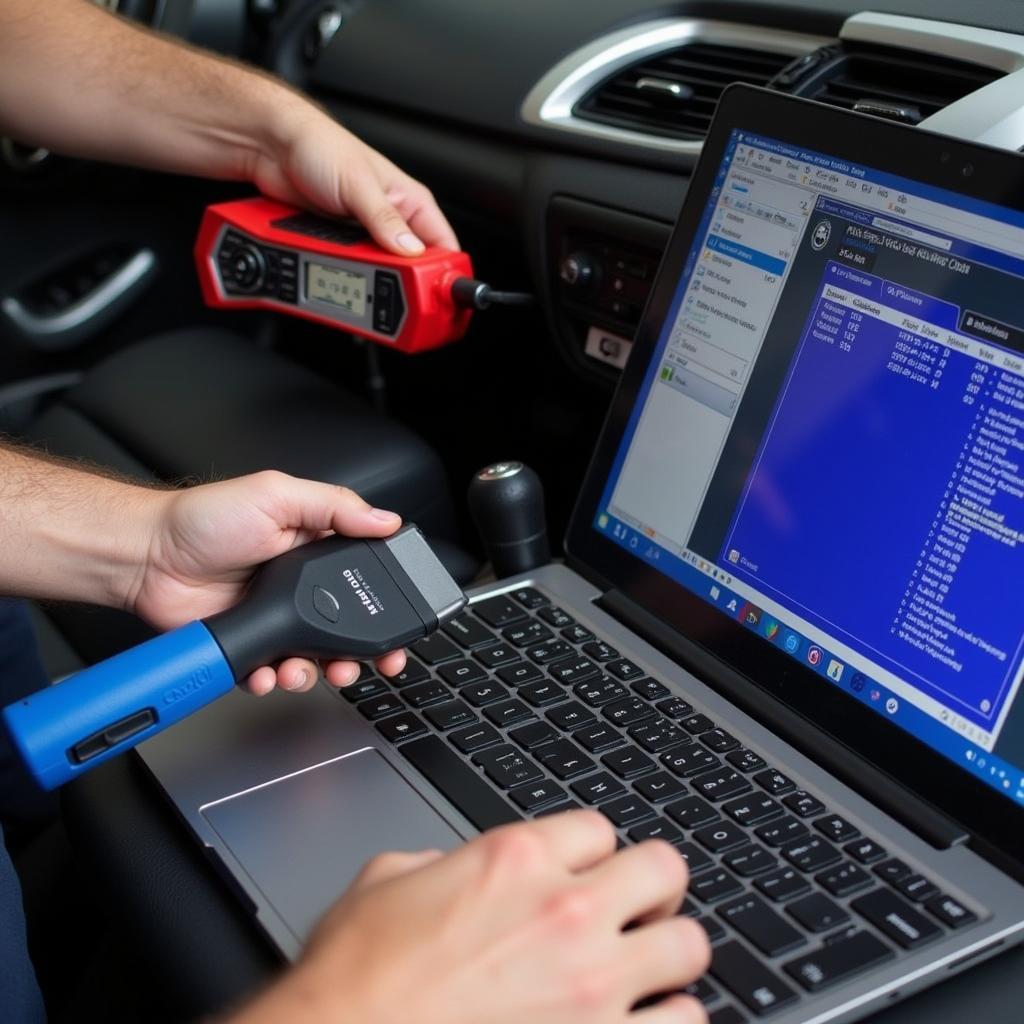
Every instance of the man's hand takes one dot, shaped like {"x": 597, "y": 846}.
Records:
{"x": 105, "y": 88}
{"x": 205, "y": 542}
{"x": 525, "y": 924}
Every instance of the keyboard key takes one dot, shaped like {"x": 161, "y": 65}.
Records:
{"x": 627, "y": 711}
{"x": 626, "y": 810}
{"x": 496, "y": 655}
{"x": 917, "y": 888}
{"x": 458, "y": 782}
{"x": 698, "y": 723}
{"x": 749, "y": 980}
{"x": 507, "y": 767}
{"x": 519, "y": 673}
{"x": 475, "y": 737}
{"x": 572, "y": 805}
{"x": 556, "y": 617}
{"x": 550, "y": 650}
{"x": 720, "y": 784}
{"x": 727, "y": 1015}
{"x": 690, "y": 760}
{"x": 892, "y": 870}
{"x": 838, "y": 829}
{"x": 529, "y": 598}
{"x": 542, "y": 693}
{"x": 803, "y": 804}
{"x": 752, "y": 809}
{"x": 462, "y": 672}
{"x": 577, "y": 634}
{"x": 527, "y": 633}
{"x": 533, "y": 734}
{"x": 498, "y": 611}
{"x": 423, "y": 694}
{"x": 628, "y": 762}
{"x": 866, "y": 851}
{"x": 691, "y": 812}
{"x": 378, "y": 707}
{"x": 598, "y": 737}
{"x": 364, "y": 688}
{"x": 811, "y": 854}
{"x": 783, "y": 884}
{"x": 838, "y": 961}
{"x": 600, "y": 651}
{"x": 674, "y": 707}
{"x": 596, "y": 692}
{"x": 658, "y": 734}
{"x": 749, "y": 860}
{"x": 689, "y": 908}
{"x": 434, "y": 649}
{"x": 624, "y": 670}
{"x": 401, "y": 727}
{"x": 712, "y": 886}
{"x": 949, "y": 911}
{"x": 719, "y": 741}
{"x": 657, "y": 829}
{"x": 817, "y": 913}
{"x": 784, "y": 830}
{"x": 537, "y": 794}
{"x": 774, "y": 782}
{"x": 703, "y": 990}
{"x": 649, "y": 689}
{"x": 745, "y": 760}
{"x": 595, "y": 788}
{"x": 479, "y": 694}
{"x": 659, "y": 787}
{"x": 449, "y": 715}
{"x": 507, "y": 712}
{"x": 723, "y": 835}
{"x": 414, "y": 672}
{"x": 468, "y": 632}
{"x": 715, "y": 929}
{"x": 573, "y": 670}
{"x": 760, "y": 924}
{"x": 896, "y": 918}
{"x": 571, "y": 715}
{"x": 844, "y": 878}
{"x": 564, "y": 759}
{"x": 696, "y": 859}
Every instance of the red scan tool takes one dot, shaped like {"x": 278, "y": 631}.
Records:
{"x": 260, "y": 254}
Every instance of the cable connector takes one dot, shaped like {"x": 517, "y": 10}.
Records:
{"x": 476, "y": 295}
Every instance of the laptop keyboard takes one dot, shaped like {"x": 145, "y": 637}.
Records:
{"x": 515, "y": 710}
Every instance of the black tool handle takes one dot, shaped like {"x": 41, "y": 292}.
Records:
{"x": 506, "y": 500}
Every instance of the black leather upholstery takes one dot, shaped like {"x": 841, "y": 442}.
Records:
{"x": 203, "y": 404}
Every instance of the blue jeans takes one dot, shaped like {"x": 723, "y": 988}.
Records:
{"x": 21, "y": 673}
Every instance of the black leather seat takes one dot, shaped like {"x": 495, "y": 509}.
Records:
{"x": 202, "y": 404}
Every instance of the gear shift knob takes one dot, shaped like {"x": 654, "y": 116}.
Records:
{"x": 506, "y": 500}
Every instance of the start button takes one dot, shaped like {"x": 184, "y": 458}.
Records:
{"x": 326, "y": 604}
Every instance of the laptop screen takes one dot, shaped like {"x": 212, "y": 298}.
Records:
{"x": 828, "y": 444}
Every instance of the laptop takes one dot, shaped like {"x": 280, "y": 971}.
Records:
{"x": 785, "y": 637}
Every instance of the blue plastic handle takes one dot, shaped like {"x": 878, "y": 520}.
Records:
{"x": 70, "y": 727}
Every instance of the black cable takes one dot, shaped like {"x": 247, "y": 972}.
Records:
{"x": 475, "y": 294}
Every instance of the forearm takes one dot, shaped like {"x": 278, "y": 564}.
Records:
{"x": 80, "y": 81}
{"x": 69, "y": 534}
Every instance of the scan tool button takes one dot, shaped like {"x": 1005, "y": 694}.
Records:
{"x": 326, "y": 604}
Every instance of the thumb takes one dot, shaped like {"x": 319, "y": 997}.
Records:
{"x": 387, "y": 866}
{"x": 313, "y": 506}
{"x": 367, "y": 202}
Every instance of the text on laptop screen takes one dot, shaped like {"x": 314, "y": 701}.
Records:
{"x": 829, "y": 441}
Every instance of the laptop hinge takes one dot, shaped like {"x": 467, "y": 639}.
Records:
{"x": 882, "y": 790}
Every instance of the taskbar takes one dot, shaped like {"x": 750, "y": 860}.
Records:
{"x": 712, "y": 583}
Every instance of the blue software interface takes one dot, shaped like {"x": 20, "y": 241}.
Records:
{"x": 829, "y": 442}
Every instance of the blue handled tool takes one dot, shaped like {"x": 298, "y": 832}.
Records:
{"x": 336, "y": 598}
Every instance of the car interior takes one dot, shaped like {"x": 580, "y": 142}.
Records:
{"x": 559, "y": 140}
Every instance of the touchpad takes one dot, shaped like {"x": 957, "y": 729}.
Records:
{"x": 303, "y": 838}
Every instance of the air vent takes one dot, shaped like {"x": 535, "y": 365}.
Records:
{"x": 673, "y": 94}
{"x": 898, "y": 78}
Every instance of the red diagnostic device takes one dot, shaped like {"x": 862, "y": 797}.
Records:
{"x": 261, "y": 254}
